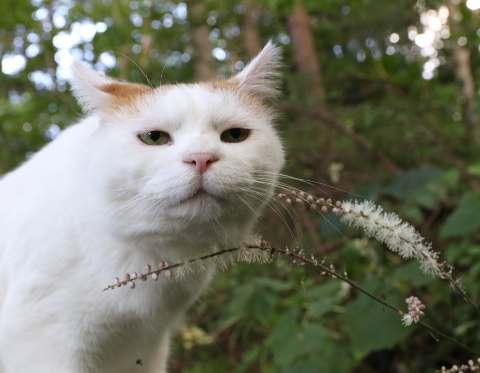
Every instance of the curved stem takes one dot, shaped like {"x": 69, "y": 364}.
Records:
{"x": 301, "y": 257}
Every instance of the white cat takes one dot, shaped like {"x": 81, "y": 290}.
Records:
{"x": 148, "y": 175}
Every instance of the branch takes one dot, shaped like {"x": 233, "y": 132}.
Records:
{"x": 363, "y": 142}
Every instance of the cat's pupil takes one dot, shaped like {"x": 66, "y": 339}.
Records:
{"x": 154, "y": 135}
{"x": 236, "y": 133}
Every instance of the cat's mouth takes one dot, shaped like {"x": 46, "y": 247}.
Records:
{"x": 198, "y": 195}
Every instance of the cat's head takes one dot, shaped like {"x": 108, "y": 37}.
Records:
{"x": 198, "y": 159}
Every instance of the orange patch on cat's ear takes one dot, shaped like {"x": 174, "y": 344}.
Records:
{"x": 229, "y": 84}
{"x": 233, "y": 84}
{"x": 124, "y": 94}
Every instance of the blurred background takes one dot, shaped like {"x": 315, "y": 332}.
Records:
{"x": 380, "y": 101}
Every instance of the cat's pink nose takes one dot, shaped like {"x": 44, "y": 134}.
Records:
{"x": 201, "y": 161}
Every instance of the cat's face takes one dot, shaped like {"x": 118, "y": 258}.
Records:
{"x": 200, "y": 158}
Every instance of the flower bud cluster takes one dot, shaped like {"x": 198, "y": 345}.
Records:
{"x": 302, "y": 198}
{"x": 162, "y": 267}
{"x": 301, "y": 259}
{"x": 471, "y": 366}
{"x": 415, "y": 311}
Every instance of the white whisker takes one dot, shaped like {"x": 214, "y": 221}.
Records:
{"x": 270, "y": 204}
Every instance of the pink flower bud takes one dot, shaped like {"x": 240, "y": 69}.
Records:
{"x": 155, "y": 276}
{"x": 117, "y": 282}
{"x": 148, "y": 268}
{"x": 131, "y": 284}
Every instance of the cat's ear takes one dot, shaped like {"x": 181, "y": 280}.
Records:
{"x": 260, "y": 77}
{"x": 94, "y": 90}
{"x": 87, "y": 87}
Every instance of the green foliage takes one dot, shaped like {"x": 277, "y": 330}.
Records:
{"x": 465, "y": 220}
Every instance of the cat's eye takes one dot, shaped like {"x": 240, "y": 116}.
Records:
{"x": 155, "y": 137}
{"x": 235, "y": 135}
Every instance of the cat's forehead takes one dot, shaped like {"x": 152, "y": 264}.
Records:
{"x": 202, "y": 102}
{"x": 195, "y": 97}
{"x": 200, "y": 95}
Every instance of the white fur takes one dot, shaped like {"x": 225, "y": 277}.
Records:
{"x": 85, "y": 86}
{"x": 260, "y": 77}
{"x": 96, "y": 203}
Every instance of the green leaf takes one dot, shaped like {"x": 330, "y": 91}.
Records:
{"x": 412, "y": 274}
{"x": 308, "y": 347}
{"x": 284, "y": 340}
{"x": 372, "y": 327}
{"x": 255, "y": 300}
{"x": 323, "y": 298}
{"x": 462, "y": 252}
{"x": 474, "y": 169}
{"x": 464, "y": 220}
{"x": 302, "y": 367}
{"x": 412, "y": 185}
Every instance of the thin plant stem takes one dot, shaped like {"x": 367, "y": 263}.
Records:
{"x": 297, "y": 256}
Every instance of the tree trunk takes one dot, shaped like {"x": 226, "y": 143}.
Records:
{"x": 250, "y": 29}
{"x": 463, "y": 71}
{"x": 304, "y": 49}
{"x": 147, "y": 45}
{"x": 200, "y": 32}
{"x": 464, "y": 74}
